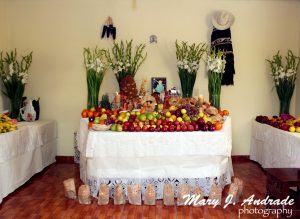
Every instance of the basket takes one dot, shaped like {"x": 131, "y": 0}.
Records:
{"x": 100, "y": 127}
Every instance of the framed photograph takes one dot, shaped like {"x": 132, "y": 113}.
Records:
{"x": 158, "y": 84}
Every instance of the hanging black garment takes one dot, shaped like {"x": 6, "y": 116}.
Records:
{"x": 109, "y": 30}
{"x": 221, "y": 39}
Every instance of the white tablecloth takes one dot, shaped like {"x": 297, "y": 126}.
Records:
{"x": 25, "y": 152}
{"x": 130, "y": 156}
{"x": 151, "y": 144}
{"x": 274, "y": 148}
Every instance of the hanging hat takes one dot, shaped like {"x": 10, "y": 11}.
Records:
{"x": 222, "y": 20}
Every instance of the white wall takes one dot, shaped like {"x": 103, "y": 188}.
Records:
{"x": 298, "y": 84}
{"x": 57, "y": 31}
{"x": 3, "y": 46}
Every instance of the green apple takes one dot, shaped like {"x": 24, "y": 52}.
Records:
{"x": 183, "y": 111}
{"x": 97, "y": 120}
{"x": 113, "y": 127}
{"x": 119, "y": 128}
{"x": 142, "y": 117}
{"x": 150, "y": 116}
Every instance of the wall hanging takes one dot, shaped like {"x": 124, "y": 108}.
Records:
{"x": 221, "y": 40}
{"x": 109, "y": 29}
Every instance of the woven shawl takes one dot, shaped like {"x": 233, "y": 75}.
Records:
{"x": 221, "y": 39}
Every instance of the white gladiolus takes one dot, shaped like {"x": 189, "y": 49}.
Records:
{"x": 11, "y": 69}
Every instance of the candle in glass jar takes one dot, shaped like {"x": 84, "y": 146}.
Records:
{"x": 118, "y": 99}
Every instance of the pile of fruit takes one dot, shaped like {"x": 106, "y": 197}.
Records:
{"x": 182, "y": 118}
{"x": 284, "y": 122}
{"x": 7, "y": 124}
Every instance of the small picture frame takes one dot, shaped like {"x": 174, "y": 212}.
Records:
{"x": 158, "y": 84}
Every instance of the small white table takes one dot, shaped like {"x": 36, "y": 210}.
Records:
{"x": 155, "y": 157}
{"x": 24, "y": 152}
{"x": 274, "y": 148}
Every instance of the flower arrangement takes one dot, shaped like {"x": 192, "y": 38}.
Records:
{"x": 124, "y": 60}
{"x": 188, "y": 59}
{"x": 216, "y": 65}
{"x": 284, "y": 78}
{"x": 14, "y": 75}
{"x": 96, "y": 66}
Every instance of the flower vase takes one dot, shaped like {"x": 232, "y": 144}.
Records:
{"x": 214, "y": 88}
{"x": 94, "y": 81}
{"x": 187, "y": 81}
{"x": 15, "y": 105}
{"x": 285, "y": 106}
{"x": 93, "y": 98}
{"x": 215, "y": 100}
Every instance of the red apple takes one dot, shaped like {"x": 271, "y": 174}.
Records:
{"x": 131, "y": 128}
{"x": 164, "y": 122}
{"x": 212, "y": 128}
{"x": 171, "y": 128}
{"x": 138, "y": 129}
{"x": 151, "y": 122}
{"x": 164, "y": 128}
{"x": 145, "y": 128}
{"x": 176, "y": 123}
{"x": 191, "y": 128}
{"x": 178, "y": 128}
{"x": 184, "y": 128}
{"x": 151, "y": 129}
{"x": 125, "y": 128}
{"x": 158, "y": 122}
{"x": 196, "y": 127}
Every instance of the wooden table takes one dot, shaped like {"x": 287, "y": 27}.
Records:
{"x": 279, "y": 182}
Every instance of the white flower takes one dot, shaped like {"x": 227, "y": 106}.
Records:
{"x": 186, "y": 66}
{"x": 11, "y": 69}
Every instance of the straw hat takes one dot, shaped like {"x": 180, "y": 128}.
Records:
{"x": 222, "y": 20}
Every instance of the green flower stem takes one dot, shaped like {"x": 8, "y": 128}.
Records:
{"x": 187, "y": 81}
{"x": 94, "y": 81}
{"x": 214, "y": 88}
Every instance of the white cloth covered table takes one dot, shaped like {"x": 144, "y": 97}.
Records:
{"x": 274, "y": 148}
{"x": 126, "y": 157}
{"x": 25, "y": 152}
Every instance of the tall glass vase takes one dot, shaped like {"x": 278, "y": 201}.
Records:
{"x": 15, "y": 106}
{"x": 215, "y": 100}
{"x": 285, "y": 106}
{"x": 94, "y": 81}
{"x": 187, "y": 81}
{"x": 214, "y": 88}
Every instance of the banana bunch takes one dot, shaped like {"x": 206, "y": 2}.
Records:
{"x": 7, "y": 124}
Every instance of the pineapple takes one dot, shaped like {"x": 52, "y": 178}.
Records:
{"x": 128, "y": 87}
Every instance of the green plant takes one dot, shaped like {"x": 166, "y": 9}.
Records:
{"x": 96, "y": 65}
{"x": 14, "y": 75}
{"x": 124, "y": 60}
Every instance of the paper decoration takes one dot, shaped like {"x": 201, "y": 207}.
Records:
{"x": 150, "y": 195}
{"x": 183, "y": 190}
{"x": 103, "y": 198}
{"x": 134, "y": 194}
{"x": 84, "y": 195}
{"x": 168, "y": 196}
{"x": 70, "y": 190}
{"x": 119, "y": 197}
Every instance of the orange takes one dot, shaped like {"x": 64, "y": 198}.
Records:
{"x": 218, "y": 125}
{"x": 225, "y": 112}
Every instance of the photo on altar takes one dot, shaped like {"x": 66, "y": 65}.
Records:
{"x": 158, "y": 84}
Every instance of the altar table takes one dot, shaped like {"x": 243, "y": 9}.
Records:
{"x": 274, "y": 148}
{"x": 196, "y": 158}
{"x": 24, "y": 152}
